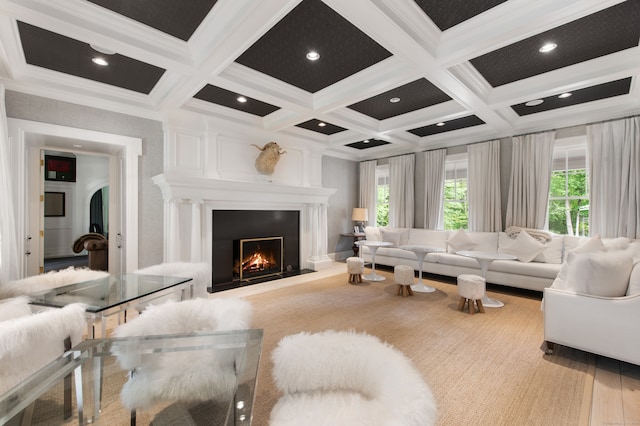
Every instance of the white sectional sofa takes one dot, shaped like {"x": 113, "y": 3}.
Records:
{"x": 534, "y": 275}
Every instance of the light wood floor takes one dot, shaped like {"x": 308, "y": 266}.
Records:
{"x": 614, "y": 398}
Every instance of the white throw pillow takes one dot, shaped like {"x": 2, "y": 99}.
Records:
{"x": 524, "y": 247}
{"x": 603, "y": 274}
{"x": 371, "y": 233}
{"x": 390, "y": 236}
{"x": 591, "y": 245}
{"x": 461, "y": 241}
{"x": 552, "y": 252}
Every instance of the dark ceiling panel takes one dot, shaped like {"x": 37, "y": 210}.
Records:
{"x": 169, "y": 16}
{"x": 229, "y": 99}
{"x": 458, "y": 123}
{"x": 326, "y": 129}
{"x": 412, "y": 96}
{"x": 608, "y": 31}
{"x": 344, "y": 49}
{"x": 59, "y": 53}
{"x": 588, "y": 94}
{"x": 449, "y": 13}
{"x": 371, "y": 143}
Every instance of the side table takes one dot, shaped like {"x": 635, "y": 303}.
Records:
{"x": 357, "y": 236}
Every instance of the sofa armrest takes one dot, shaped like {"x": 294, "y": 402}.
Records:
{"x": 603, "y": 325}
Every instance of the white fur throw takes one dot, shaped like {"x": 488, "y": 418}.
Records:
{"x": 14, "y": 308}
{"x": 30, "y": 342}
{"x": 195, "y": 375}
{"x": 44, "y": 282}
{"x": 200, "y": 272}
{"x": 345, "y": 378}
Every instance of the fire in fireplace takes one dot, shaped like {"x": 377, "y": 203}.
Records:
{"x": 257, "y": 257}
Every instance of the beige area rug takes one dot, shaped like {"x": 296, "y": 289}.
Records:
{"x": 485, "y": 369}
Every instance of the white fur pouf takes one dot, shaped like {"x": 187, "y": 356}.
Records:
{"x": 404, "y": 275}
{"x": 355, "y": 268}
{"x": 346, "y": 378}
{"x": 471, "y": 288}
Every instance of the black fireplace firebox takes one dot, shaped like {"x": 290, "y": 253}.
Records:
{"x": 257, "y": 257}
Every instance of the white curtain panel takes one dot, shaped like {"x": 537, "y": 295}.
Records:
{"x": 485, "y": 214}
{"x": 434, "y": 173}
{"x": 401, "y": 191}
{"x": 614, "y": 178}
{"x": 531, "y": 161}
{"x": 8, "y": 238}
{"x": 368, "y": 189}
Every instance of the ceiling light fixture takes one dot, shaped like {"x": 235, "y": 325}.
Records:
{"x": 547, "y": 47}
{"x": 313, "y": 55}
{"x": 102, "y": 50}
{"x": 535, "y": 102}
{"x": 77, "y": 145}
{"x": 394, "y": 100}
{"x": 241, "y": 99}
{"x": 100, "y": 61}
{"x": 565, "y": 95}
{"x": 366, "y": 141}
{"x": 440, "y": 124}
{"x": 321, "y": 124}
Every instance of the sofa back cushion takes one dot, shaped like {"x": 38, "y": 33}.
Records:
{"x": 601, "y": 273}
{"x": 372, "y": 233}
{"x": 428, "y": 237}
{"x": 634, "y": 280}
{"x": 397, "y": 236}
{"x": 551, "y": 252}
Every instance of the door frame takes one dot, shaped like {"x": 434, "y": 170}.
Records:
{"x": 27, "y": 138}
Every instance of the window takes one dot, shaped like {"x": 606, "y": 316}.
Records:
{"x": 569, "y": 188}
{"x": 456, "y": 205}
{"x": 382, "y": 202}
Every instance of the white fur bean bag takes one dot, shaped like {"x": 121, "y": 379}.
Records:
{"x": 14, "y": 308}
{"x": 200, "y": 272}
{"x": 30, "y": 342}
{"x": 43, "y": 282}
{"x": 345, "y": 378}
{"x": 197, "y": 375}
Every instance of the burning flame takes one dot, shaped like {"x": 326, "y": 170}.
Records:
{"x": 256, "y": 262}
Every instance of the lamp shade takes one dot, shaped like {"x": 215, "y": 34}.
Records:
{"x": 360, "y": 214}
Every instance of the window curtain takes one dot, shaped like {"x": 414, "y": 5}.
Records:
{"x": 8, "y": 238}
{"x": 434, "y": 174}
{"x": 401, "y": 191}
{"x": 368, "y": 190}
{"x": 614, "y": 178}
{"x": 485, "y": 210}
{"x": 531, "y": 162}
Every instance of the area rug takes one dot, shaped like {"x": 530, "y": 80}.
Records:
{"x": 484, "y": 369}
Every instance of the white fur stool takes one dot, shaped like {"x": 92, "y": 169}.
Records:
{"x": 471, "y": 288}
{"x": 355, "y": 268}
{"x": 404, "y": 276}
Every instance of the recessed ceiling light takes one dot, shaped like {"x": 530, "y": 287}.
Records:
{"x": 565, "y": 95}
{"x": 535, "y": 102}
{"x": 100, "y": 61}
{"x": 241, "y": 99}
{"x": 321, "y": 124}
{"x": 102, "y": 50}
{"x": 313, "y": 55}
{"x": 366, "y": 141}
{"x": 394, "y": 100}
{"x": 440, "y": 124}
{"x": 77, "y": 145}
{"x": 547, "y": 47}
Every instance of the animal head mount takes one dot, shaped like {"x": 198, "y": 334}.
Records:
{"x": 268, "y": 158}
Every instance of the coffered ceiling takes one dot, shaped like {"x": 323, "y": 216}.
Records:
{"x": 393, "y": 76}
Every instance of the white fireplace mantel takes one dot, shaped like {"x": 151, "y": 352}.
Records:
{"x": 189, "y": 201}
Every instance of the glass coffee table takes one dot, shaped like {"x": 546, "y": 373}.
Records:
{"x": 113, "y": 294}
{"x": 99, "y": 379}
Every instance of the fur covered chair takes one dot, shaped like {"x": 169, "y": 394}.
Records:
{"x": 345, "y": 378}
{"x": 44, "y": 282}
{"x": 28, "y": 342}
{"x": 200, "y": 272}
{"x": 180, "y": 376}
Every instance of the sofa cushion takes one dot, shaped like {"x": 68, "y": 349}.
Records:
{"x": 460, "y": 241}
{"x": 531, "y": 269}
{"x": 403, "y": 232}
{"x": 600, "y": 273}
{"x": 457, "y": 260}
{"x": 620, "y": 243}
{"x": 372, "y": 233}
{"x": 634, "y": 280}
{"x": 524, "y": 247}
{"x": 552, "y": 252}
{"x": 428, "y": 237}
{"x": 392, "y": 236}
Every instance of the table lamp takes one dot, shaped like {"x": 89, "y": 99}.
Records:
{"x": 360, "y": 215}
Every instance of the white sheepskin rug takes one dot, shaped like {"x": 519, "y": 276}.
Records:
{"x": 30, "y": 342}
{"x": 53, "y": 279}
{"x": 195, "y": 375}
{"x": 346, "y": 378}
{"x": 200, "y": 272}
{"x": 14, "y": 308}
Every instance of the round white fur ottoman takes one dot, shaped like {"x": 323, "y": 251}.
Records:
{"x": 404, "y": 276}
{"x": 355, "y": 268}
{"x": 471, "y": 288}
